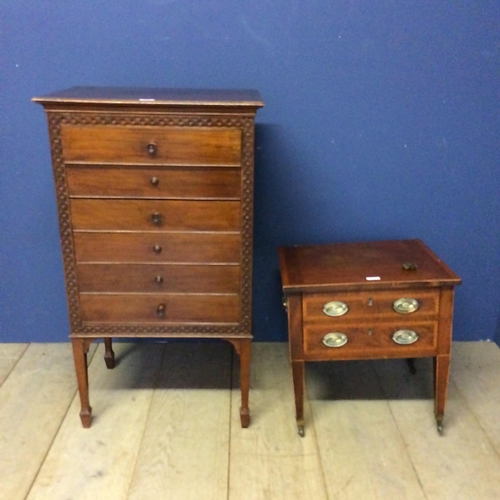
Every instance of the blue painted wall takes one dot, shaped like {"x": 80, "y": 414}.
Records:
{"x": 381, "y": 121}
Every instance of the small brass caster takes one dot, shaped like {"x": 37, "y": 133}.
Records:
{"x": 300, "y": 429}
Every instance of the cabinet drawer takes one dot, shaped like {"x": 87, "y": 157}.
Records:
{"x": 155, "y": 214}
{"x": 157, "y": 247}
{"x": 166, "y": 182}
{"x": 161, "y": 145}
{"x": 159, "y": 308}
{"x": 369, "y": 341}
{"x": 360, "y": 306}
{"x": 158, "y": 278}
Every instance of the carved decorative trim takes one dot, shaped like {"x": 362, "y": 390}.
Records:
{"x": 245, "y": 123}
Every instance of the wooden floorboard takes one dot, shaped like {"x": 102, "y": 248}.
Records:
{"x": 269, "y": 460}
{"x": 462, "y": 464}
{"x": 99, "y": 462}
{"x": 9, "y": 356}
{"x": 185, "y": 449}
{"x": 476, "y": 372}
{"x": 33, "y": 401}
{"x": 167, "y": 426}
{"x": 361, "y": 449}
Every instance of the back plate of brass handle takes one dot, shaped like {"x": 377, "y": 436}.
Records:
{"x": 405, "y": 337}
{"x": 405, "y": 305}
{"x": 335, "y": 339}
{"x": 335, "y": 308}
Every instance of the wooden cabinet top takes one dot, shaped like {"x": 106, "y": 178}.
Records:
{"x": 153, "y": 97}
{"x": 379, "y": 264}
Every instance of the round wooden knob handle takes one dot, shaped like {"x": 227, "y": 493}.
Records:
{"x": 151, "y": 148}
{"x": 161, "y": 310}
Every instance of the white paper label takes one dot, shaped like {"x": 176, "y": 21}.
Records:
{"x": 372, "y": 278}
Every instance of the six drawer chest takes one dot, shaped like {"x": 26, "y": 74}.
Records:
{"x": 155, "y": 199}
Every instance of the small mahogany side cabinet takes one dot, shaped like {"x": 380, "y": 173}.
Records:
{"x": 386, "y": 299}
{"x": 155, "y": 198}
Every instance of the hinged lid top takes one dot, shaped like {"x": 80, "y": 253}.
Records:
{"x": 154, "y": 97}
{"x": 379, "y": 264}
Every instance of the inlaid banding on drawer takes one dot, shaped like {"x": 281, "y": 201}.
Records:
{"x": 160, "y": 145}
{"x": 372, "y": 304}
{"x": 158, "y": 247}
{"x": 167, "y": 182}
{"x": 370, "y": 341}
{"x": 148, "y": 278}
{"x": 98, "y": 214}
{"x": 161, "y": 308}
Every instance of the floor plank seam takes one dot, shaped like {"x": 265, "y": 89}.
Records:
{"x": 313, "y": 430}
{"x": 61, "y": 422}
{"x": 148, "y": 413}
{"x": 16, "y": 363}
{"x": 478, "y": 420}
{"x": 231, "y": 402}
{"x": 401, "y": 434}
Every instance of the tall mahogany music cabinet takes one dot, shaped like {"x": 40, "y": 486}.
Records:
{"x": 155, "y": 199}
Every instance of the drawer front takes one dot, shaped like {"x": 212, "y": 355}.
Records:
{"x": 369, "y": 341}
{"x": 166, "y": 182}
{"x": 159, "y": 308}
{"x": 369, "y": 305}
{"x": 161, "y": 145}
{"x": 158, "y": 247}
{"x": 151, "y": 278}
{"x": 158, "y": 214}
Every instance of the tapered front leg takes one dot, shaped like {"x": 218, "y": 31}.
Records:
{"x": 441, "y": 377}
{"x": 80, "y": 351}
{"x": 298, "y": 389}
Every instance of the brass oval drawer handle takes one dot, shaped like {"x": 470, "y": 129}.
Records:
{"x": 157, "y": 249}
{"x": 406, "y": 305}
{"x": 159, "y": 280}
{"x": 152, "y": 149}
{"x": 335, "y": 339}
{"x": 405, "y": 337}
{"x": 161, "y": 310}
{"x": 335, "y": 308}
{"x": 155, "y": 181}
{"x": 156, "y": 218}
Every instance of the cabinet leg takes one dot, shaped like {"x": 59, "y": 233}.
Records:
{"x": 441, "y": 377}
{"x": 411, "y": 365}
{"x": 243, "y": 349}
{"x": 109, "y": 355}
{"x": 80, "y": 351}
{"x": 298, "y": 389}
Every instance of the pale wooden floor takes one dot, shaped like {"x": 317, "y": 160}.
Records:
{"x": 166, "y": 426}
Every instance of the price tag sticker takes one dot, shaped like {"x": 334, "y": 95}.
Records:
{"x": 372, "y": 278}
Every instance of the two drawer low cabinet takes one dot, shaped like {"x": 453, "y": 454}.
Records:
{"x": 155, "y": 198}
{"x": 387, "y": 299}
